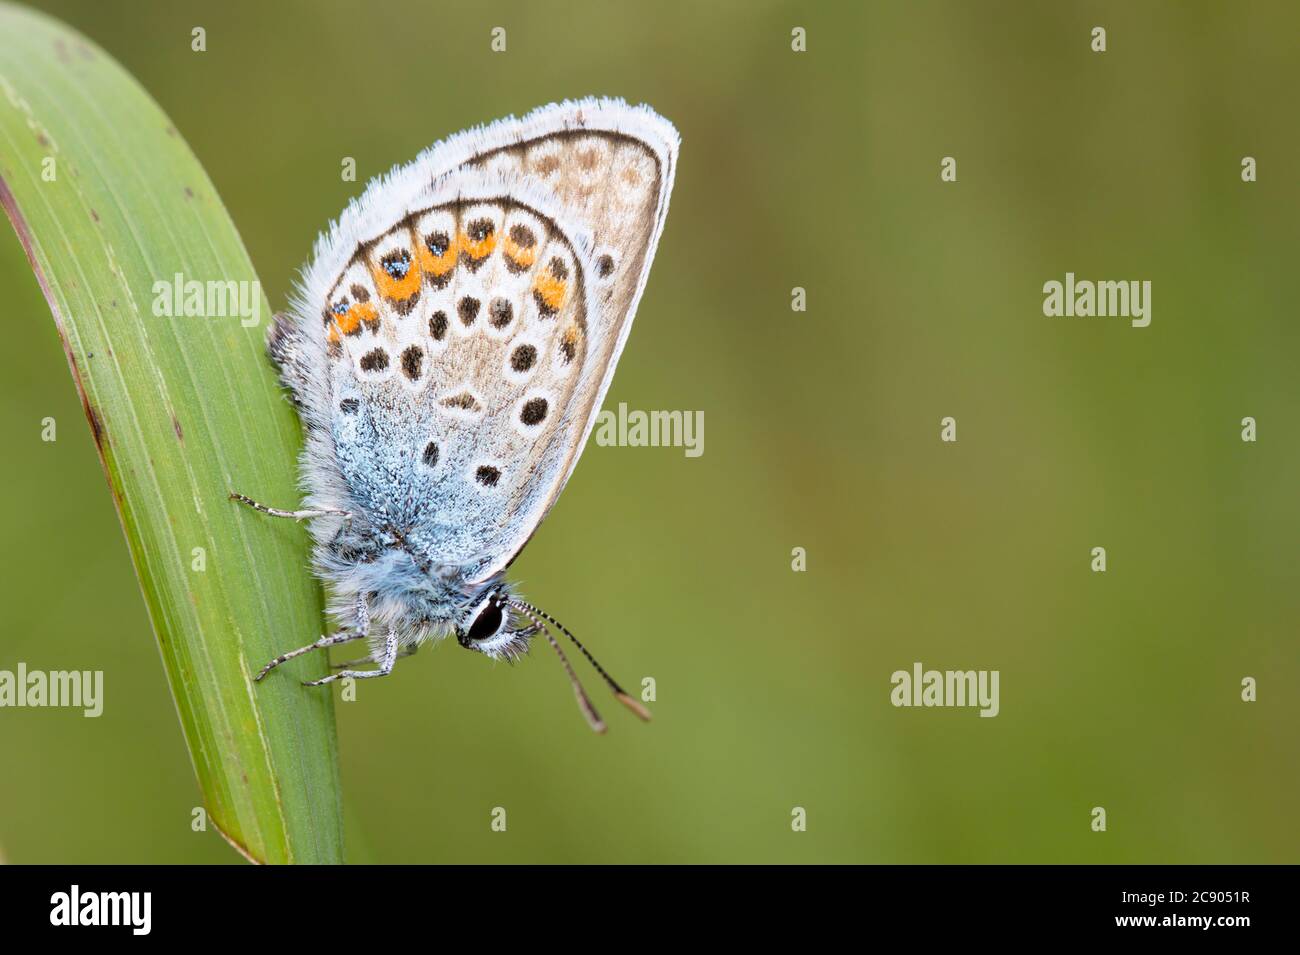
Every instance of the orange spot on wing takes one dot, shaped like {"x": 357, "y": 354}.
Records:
{"x": 569, "y": 343}
{"x": 350, "y": 321}
{"x": 477, "y": 250}
{"x": 366, "y": 313}
{"x": 522, "y": 256}
{"x": 436, "y": 265}
{"x": 550, "y": 290}
{"x": 398, "y": 290}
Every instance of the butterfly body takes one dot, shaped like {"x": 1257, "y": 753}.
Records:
{"x": 448, "y": 350}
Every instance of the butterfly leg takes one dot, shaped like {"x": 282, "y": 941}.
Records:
{"x": 401, "y": 654}
{"x": 329, "y": 640}
{"x": 361, "y": 630}
{"x": 295, "y": 515}
{"x": 385, "y": 665}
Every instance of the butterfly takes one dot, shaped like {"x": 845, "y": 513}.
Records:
{"x": 448, "y": 349}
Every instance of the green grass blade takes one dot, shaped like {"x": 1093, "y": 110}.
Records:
{"x": 183, "y": 410}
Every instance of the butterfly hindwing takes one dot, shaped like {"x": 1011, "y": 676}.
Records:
{"x": 462, "y": 385}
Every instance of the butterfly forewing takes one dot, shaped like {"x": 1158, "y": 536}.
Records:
{"x": 616, "y": 183}
{"x": 617, "y": 186}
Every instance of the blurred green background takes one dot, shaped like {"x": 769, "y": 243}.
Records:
{"x": 820, "y": 170}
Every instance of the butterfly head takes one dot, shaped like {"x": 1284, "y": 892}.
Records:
{"x": 487, "y": 625}
{"x": 499, "y": 624}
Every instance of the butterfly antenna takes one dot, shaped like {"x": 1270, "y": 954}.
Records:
{"x": 584, "y": 701}
{"x": 619, "y": 693}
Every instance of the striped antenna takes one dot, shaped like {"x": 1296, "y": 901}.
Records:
{"x": 584, "y": 701}
{"x": 620, "y": 694}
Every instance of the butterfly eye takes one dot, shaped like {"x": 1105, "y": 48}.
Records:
{"x": 487, "y": 623}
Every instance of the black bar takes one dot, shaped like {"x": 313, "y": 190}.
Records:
{"x": 370, "y": 903}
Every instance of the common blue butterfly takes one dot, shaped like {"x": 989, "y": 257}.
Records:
{"x": 448, "y": 349}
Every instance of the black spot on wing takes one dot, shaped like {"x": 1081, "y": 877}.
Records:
{"x": 438, "y": 325}
{"x": 523, "y": 358}
{"x": 467, "y": 309}
{"x": 412, "y": 360}
{"x": 534, "y": 411}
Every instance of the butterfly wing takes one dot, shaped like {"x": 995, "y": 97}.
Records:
{"x": 611, "y": 167}
{"x": 466, "y": 349}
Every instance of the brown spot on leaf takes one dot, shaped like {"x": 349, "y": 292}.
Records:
{"x": 19, "y": 221}
{"x": 96, "y": 425}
